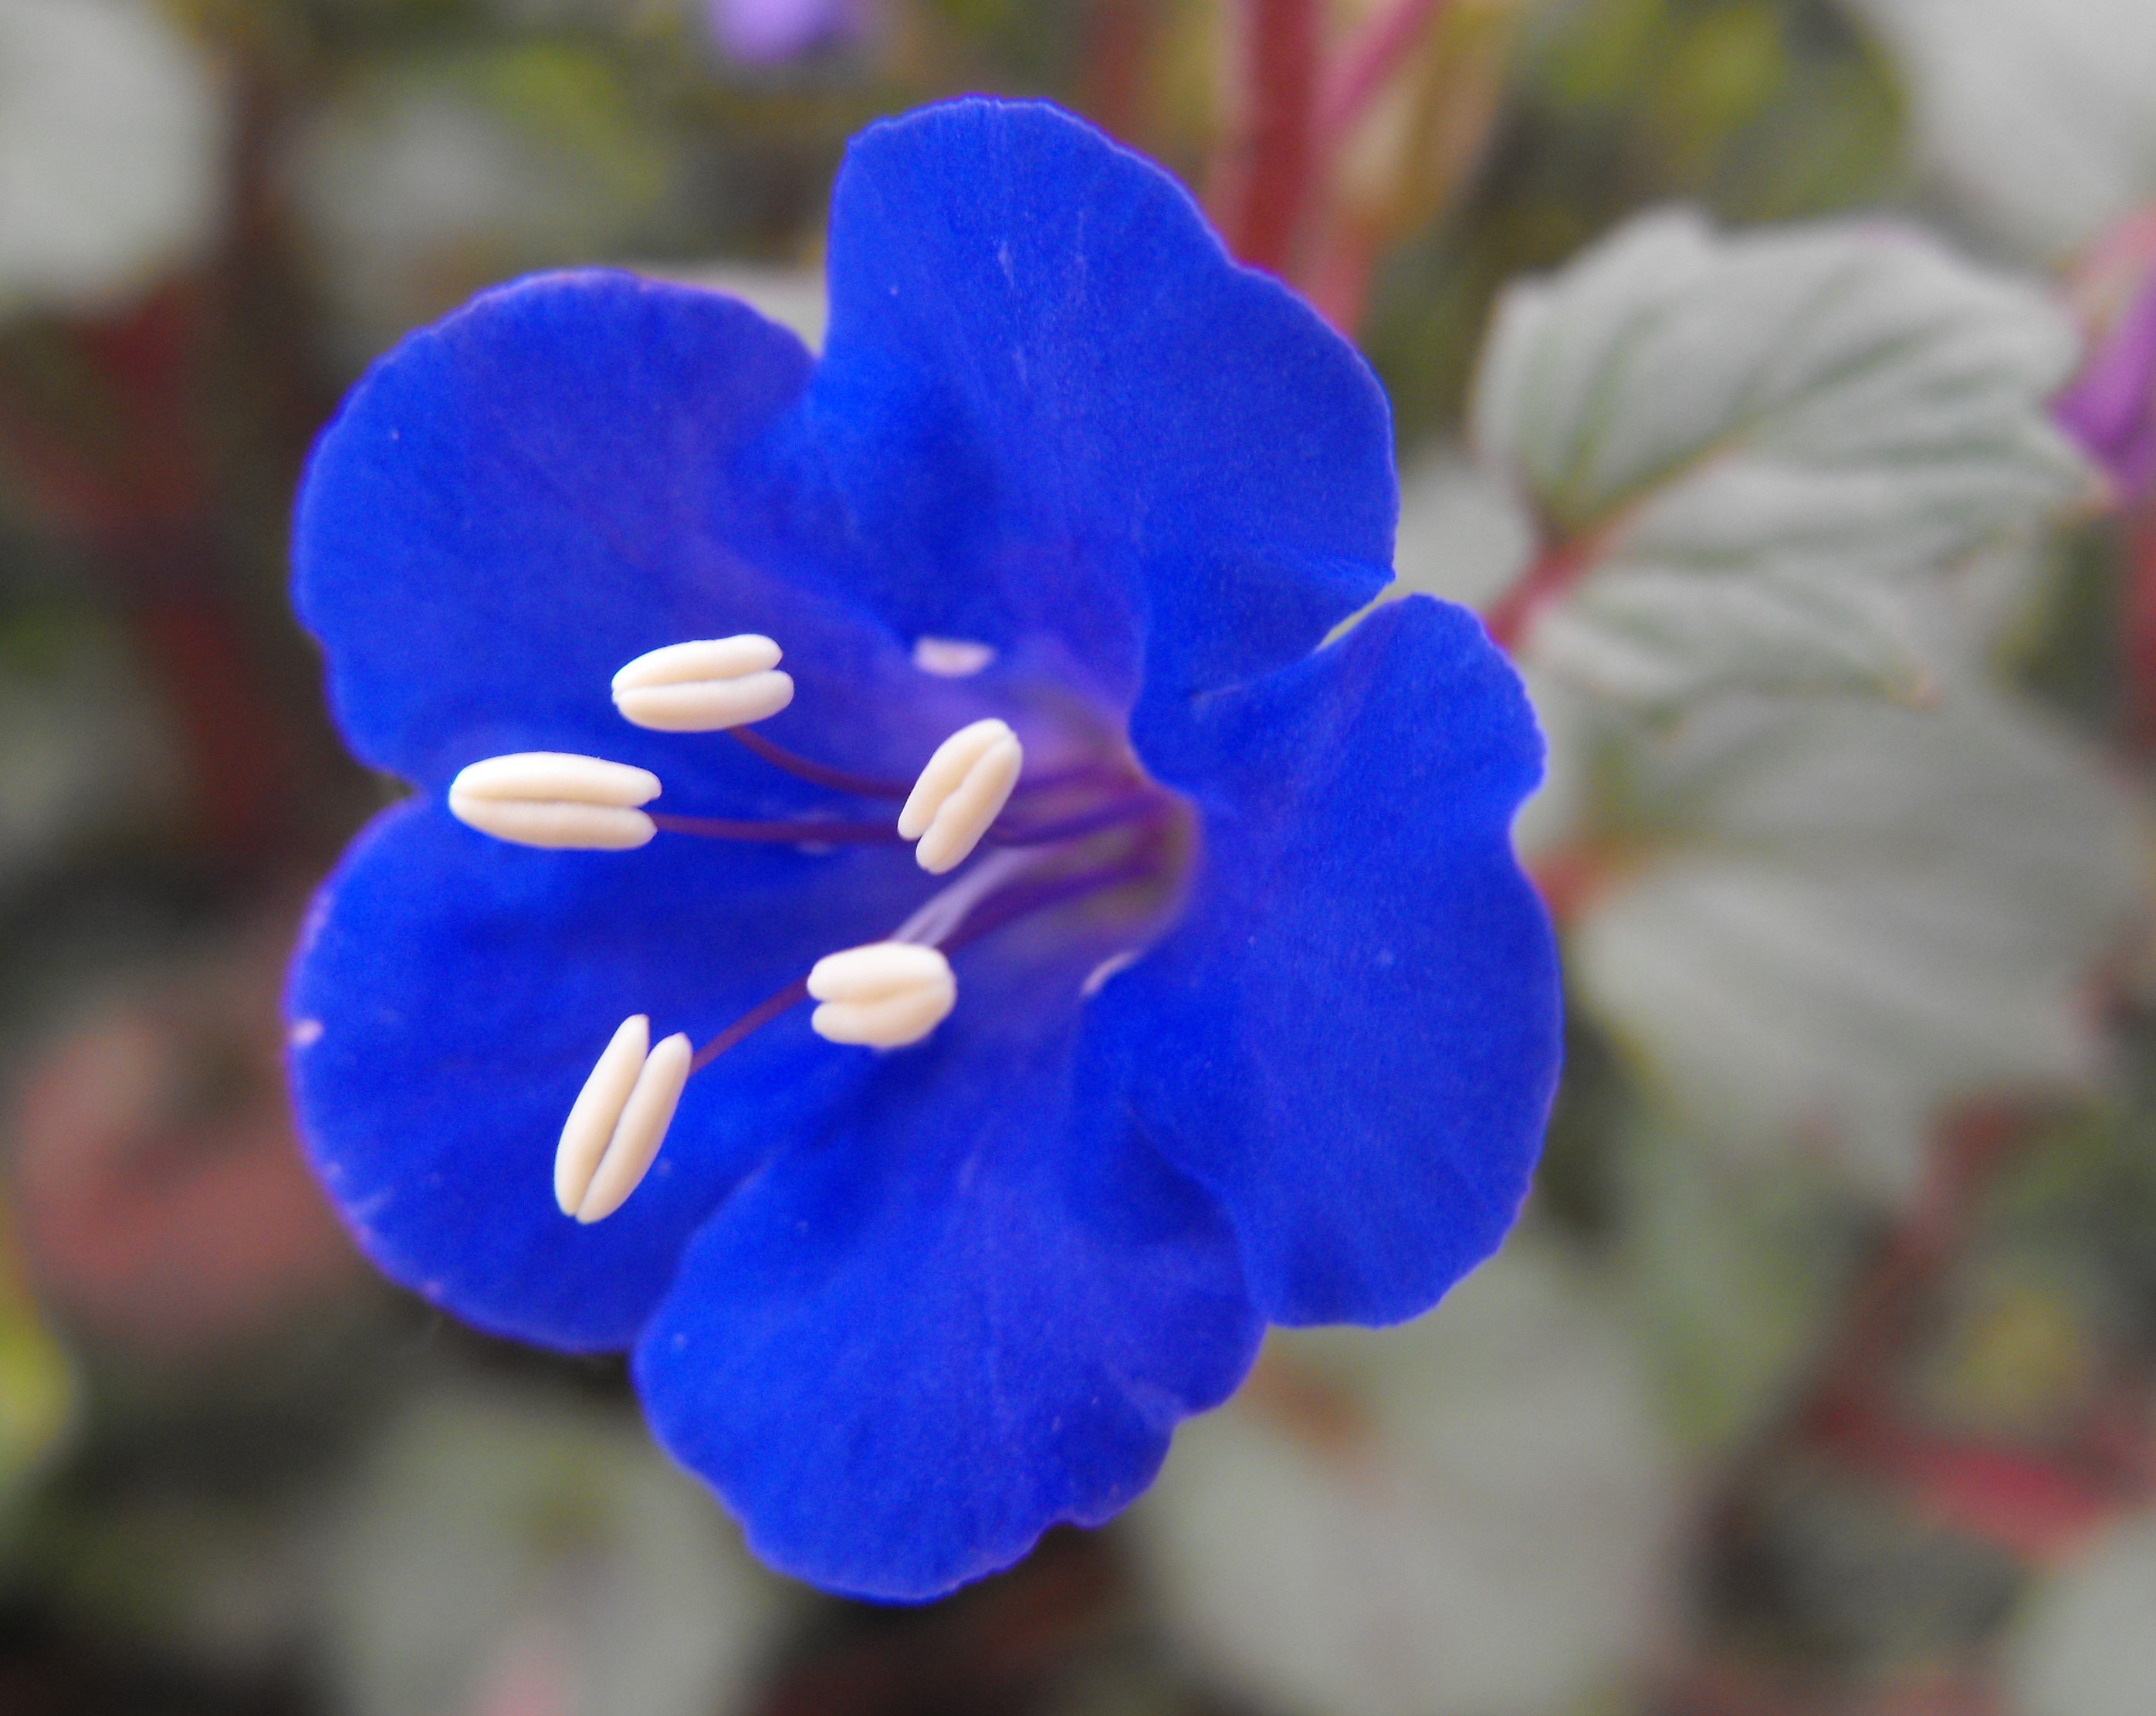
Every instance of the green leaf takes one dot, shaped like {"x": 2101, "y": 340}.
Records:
{"x": 1737, "y": 1267}
{"x": 1832, "y": 917}
{"x": 433, "y": 174}
{"x": 1462, "y": 1516}
{"x": 2033, "y": 115}
{"x": 37, "y": 1391}
{"x": 1761, "y": 441}
{"x": 501, "y": 1539}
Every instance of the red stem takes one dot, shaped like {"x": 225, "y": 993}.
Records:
{"x": 2139, "y": 626}
{"x": 1554, "y": 573}
{"x": 2036, "y": 1502}
{"x": 1117, "y": 35}
{"x": 1267, "y": 176}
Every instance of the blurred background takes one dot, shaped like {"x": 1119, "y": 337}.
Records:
{"x": 1820, "y": 1379}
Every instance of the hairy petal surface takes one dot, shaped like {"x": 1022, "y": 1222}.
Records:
{"x": 1353, "y": 1035}
{"x": 452, "y": 994}
{"x": 1053, "y": 402}
{"x": 968, "y": 1304}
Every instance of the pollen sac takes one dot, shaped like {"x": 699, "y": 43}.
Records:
{"x": 883, "y": 996}
{"x": 952, "y": 658}
{"x": 704, "y": 686}
{"x": 557, "y": 800}
{"x": 618, "y": 1121}
{"x": 961, "y": 794}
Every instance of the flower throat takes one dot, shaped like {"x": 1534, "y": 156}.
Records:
{"x": 1096, "y": 837}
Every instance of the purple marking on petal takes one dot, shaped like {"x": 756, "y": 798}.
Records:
{"x": 772, "y": 32}
{"x": 2111, "y": 408}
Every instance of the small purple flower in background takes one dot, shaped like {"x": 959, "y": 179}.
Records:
{"x": 772, "y": 32}
{"x": 2111, "y": 408}
{"x": 1195, "y": 984}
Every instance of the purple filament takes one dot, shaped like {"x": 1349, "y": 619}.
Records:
{"x": 803, "y": 831}
{"x": 995, "y": 912}
{"x": 840, "y": 780}
{"x": 1132, "y": 807}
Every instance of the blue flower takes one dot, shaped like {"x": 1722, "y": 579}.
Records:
{"x": 1256, "y": 1017}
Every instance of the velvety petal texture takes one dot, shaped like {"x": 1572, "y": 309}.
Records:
{"x": 966, "y": 1303}
{"x": 551, "y": 482}
{"x": 1054, "y": 403}
{"x": 1263, "y": 1023}
{"x": 1352, "y": 1036}
{"x": 451, "y": 996}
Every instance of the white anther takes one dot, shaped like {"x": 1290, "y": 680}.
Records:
{"x": 553, "y": 798}
{"x": 952, "y": 658}
{"x": 590, "y": 1126}
{"x": 705, "y": 686}
{"x": 961, "y": 793}
{"x": 618, "y": 1121}
{"x": 884, "y": 996}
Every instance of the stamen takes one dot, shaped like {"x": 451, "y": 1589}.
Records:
{"x": 1024, "y": 903}
{"x": 884, "y": 995}
{"x": 752, "y": 1022}
{"x": 952, "y": 658}
{"x": 801, "y": 831}
{"x": 618, "y": 1121}
{"x": 705, "y": 686}
{"x": 937, "y": 919}
{"x": 960, "y": 794}
{"x": 590, "y": 1126}
{"x": 1133, "y": 807}
{"x": 840, "y": 780}
{"x": 557, "y": 800}
{"x": 948, "y": 922}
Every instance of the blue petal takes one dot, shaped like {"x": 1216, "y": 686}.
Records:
{"x": 1352, "y": 1036}
{"x": 451, "y": 995}
{"x": 515, "y": 502}
{"x": 1053, "y": 402}
{"x": 967, "y": 1305}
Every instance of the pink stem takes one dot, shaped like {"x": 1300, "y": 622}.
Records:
{"x": 1368, "y": 64}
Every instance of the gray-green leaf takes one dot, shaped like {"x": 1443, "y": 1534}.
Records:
{"x": 1465, "y": 1517}
{"x": 1767, "y": 437}
{"x": 1851, "y": 913}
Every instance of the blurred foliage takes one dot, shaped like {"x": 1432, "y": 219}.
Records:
{"x": 1760, "y": 110}
{"x": 1737, "y": 1425}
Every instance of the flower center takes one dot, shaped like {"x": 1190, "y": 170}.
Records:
{"x": 1091, "y": 850}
